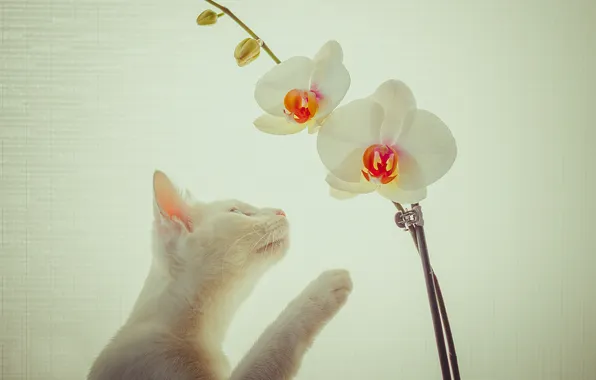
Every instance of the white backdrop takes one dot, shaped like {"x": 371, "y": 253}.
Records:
{"x": 96, "y": 94}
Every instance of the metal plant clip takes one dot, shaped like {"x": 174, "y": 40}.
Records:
{"x": 409, "y": 218}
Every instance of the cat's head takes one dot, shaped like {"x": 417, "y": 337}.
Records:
{"x": 223, "y": 240}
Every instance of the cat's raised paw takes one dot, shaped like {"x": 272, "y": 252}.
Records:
{"x": 318, "y": 303}
{"x": 337, "y": 282}
{"x": 329, "y": 292}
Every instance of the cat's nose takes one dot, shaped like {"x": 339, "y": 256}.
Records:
{"x": 280, "y": 212}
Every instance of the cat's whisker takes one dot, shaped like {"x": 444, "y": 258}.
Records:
{"x": 270, "y": 241}
{"x": 238, "y": 240}
{"x": 255, "y": 230}
{"x": 229, "y": 249}
{"x": 275, "y": 237}
{"x": 255, "y": 245}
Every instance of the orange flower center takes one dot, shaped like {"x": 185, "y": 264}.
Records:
{"x": 301, "y": 105}
{"x": 380, "y": 164}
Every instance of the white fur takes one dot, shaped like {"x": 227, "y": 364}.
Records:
{"x": 206, "y": 260}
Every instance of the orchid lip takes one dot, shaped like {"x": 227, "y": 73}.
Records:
{"x": 380, "y": 164}
{"x": 301, "y": 105}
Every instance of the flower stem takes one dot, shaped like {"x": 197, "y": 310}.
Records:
{"x": 246, "y": 28}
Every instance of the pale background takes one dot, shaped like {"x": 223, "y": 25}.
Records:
{"x": 96, "y": 94}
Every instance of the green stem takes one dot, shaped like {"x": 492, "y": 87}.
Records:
{"x": 246, "y": 28}
{"x": 399, "y": 207}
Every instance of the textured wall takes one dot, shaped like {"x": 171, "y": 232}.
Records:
{"x": 96, "y": 94}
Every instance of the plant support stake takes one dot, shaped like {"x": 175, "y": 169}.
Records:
{"x": 413, "y": 221}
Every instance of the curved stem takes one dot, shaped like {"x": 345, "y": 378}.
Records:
{"x": 399, "y": 207}
{"x": 246, "y": 28}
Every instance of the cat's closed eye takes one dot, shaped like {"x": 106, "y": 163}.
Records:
{"x": 238, "y": 211}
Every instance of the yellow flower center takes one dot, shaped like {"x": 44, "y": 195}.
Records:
{"x": 380, "y": 164}
{"x": 301, "y": 105}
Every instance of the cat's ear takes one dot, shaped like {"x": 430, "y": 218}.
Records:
{"x": 169, "y": 203}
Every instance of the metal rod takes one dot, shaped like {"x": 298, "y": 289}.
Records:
{"x": 452, "y": 355}
{"x": 432, "y": 299}
{"x": 453, "y": 363}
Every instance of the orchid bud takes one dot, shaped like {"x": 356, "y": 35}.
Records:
{"x": 207, "y": 17}
{"x": 247, "y": 51}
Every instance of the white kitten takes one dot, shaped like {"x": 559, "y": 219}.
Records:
{"x": 206, "y": 260}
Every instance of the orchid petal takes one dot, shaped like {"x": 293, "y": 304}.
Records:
{"x": 330, "y": 51}
{"x": 330, "y": 78}
{"x": 394, "y": 193}
{"x": 397, "y": 100}
{"x": 270, "y": 90}
{"x": 363, "y": 187}
{"x": 275, "y": 125}
{"x": 313, "y": 127}
{"x": 346, "y": 134}
{"x": 430, "y": 143}
{"x": 409, "y": 176}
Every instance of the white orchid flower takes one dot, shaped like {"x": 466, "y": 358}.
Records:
{"x": 301, "y": 92}
{"x": 384, "y": 143}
